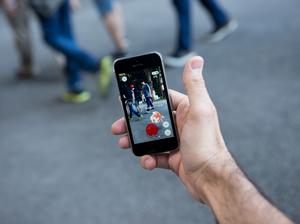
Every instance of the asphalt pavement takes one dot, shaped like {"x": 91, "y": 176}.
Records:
{"x": 59, "y": 163}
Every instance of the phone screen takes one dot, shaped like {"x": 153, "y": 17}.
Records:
{"x": 146, "y": 105}
{"x": 145, "y": 100}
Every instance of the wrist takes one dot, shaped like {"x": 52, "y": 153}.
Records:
{"x": 231, "y": 196}
{"x": 214, "y": 174}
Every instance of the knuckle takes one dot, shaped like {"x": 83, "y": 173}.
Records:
{"x": 197, "y": 80}
{"x": 204, "y": 111}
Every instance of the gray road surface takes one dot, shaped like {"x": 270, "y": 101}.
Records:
{"x": 60, "y": 164}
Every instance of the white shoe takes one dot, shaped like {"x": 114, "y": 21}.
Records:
{"x": 60, "y": 59}
{"x": 221, "y": 32}
{"x": 179, "y": 58}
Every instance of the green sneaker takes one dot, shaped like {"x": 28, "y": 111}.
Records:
{"x": 105, "y": 75}
{"x": 78, "y": 98}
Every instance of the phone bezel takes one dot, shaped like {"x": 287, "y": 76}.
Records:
{"x": 127, "y": 65}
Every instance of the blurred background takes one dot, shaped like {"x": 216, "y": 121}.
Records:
{"x": 59, "y": 162}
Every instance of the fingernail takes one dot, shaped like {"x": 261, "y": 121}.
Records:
{"x": 148, "y": 163}
{"x": 196, "y": 66}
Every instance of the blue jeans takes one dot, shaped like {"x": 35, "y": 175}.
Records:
{"x": 58, "y": 33}
{"x": 132, "y": 110}
{"x": 183, "y": 9}
{"x": 104, "y": 6}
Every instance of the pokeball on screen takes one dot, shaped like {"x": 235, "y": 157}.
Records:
{"x": 151, "y": 130}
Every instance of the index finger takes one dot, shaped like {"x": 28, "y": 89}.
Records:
{"x": 119, "y": 127}
{"x": 176, "y": 98}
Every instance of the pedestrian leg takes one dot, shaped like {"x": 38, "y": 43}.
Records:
{"x": 217, "y": 13}
{"x": 183, "y": 10}
{"x": 20, "y": 25}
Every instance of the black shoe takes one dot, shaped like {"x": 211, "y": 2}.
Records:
{"x": 24, "y": 74}
{"x": 179, "y": 58}
{"x": 119, "y": 54}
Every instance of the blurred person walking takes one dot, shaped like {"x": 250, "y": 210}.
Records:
{"x": 129, "y": 97}
{"x": 111, "y": 13}
{"x": 138, "y": 97}
{"x": 146, "y": 89}
{"x": 17, "y": 14}
{"x": 55, "y": 20}
{"x": 223, "y": 26}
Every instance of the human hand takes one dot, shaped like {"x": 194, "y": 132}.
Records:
{"x": 198, "y": 128}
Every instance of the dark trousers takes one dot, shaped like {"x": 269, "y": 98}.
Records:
{"x": 58, "y": 33}
{"x": 149, "y": 102}
{"x": 183, "y": 10}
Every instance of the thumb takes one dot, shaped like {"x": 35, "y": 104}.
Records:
{"x": 194, "y": 82}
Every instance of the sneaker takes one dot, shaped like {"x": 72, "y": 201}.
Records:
{"x": 105, "y": 74}
{"x": 60, "y": 59}
{"x": 72, "y": 97}
{"x": 119, "y": 54}
{"x": 179, "y": 58}
{"x": 222, "y": 31}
